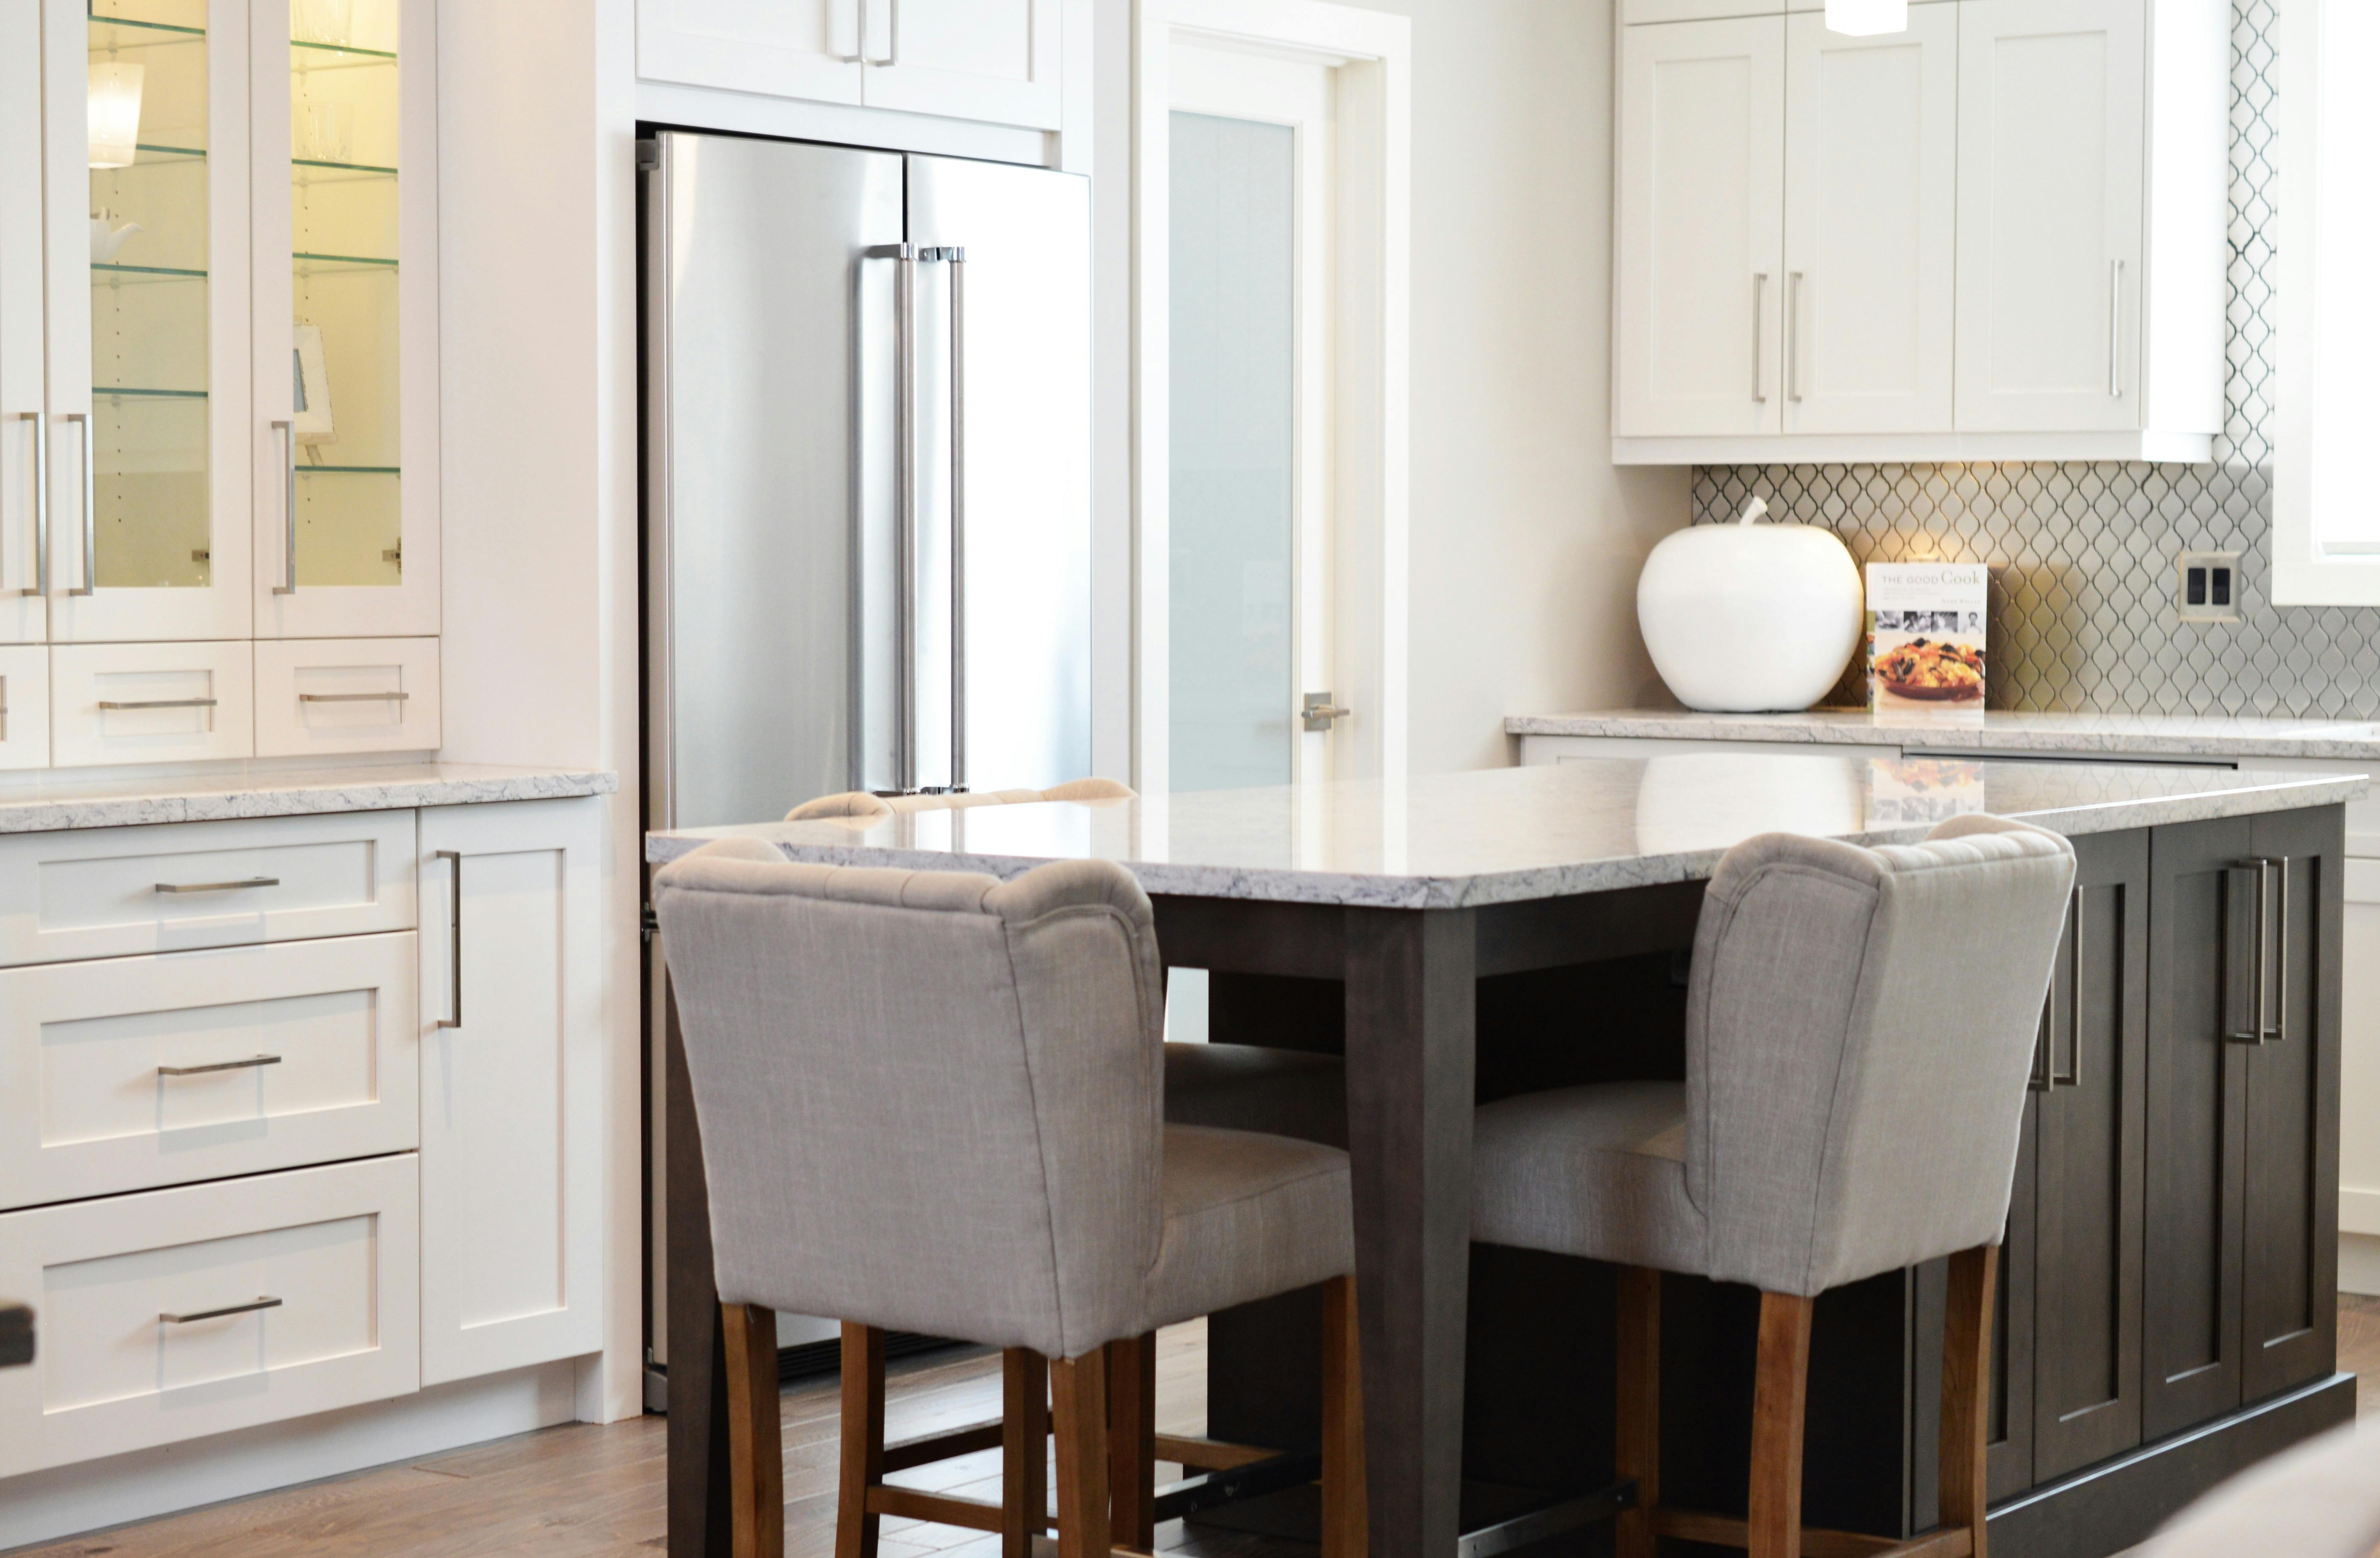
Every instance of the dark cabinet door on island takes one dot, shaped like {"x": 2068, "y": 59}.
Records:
{"x": 2244, "y": 1177}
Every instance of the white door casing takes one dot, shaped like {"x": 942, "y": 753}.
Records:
{"x": 1353, "y": 390}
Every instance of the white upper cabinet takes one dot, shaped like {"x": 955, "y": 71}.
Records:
{"x": 1871, "y": 160}
{"x": 24, "y": 616}
{"x": 145, "y": 146}
{"x": 2051, "y": 200}
{"x": 2001, "y": 233}
{"x": 992, "y": 61}
{"x": 781, "y": 48}
{"x": 1702, "y": 176}
{"x": 343, "y": 427}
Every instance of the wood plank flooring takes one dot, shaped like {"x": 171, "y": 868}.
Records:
{"x": 587, "y": 1491}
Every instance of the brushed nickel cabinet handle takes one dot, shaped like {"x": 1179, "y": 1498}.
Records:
{"x": 90, "y": 506}
{"x": 353, "y": 697}
{"x": 249, "y": 1308}
{"x": 40, "y": 585}
{"x": 454, "y": 1017}
{"x": 2260, "y": 980}
{"x": 218, "y": 886}
{"x": 249, "y": 1063}
{"x": 288, "y": 585}
{"x": 160, "y": 703}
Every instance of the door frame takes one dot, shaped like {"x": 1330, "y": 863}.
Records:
{"x": 1371, "y": 53}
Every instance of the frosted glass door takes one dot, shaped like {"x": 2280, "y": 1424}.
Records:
{"x": 144, "y": 138}
{"x": 346, "y": 403}
{"x": 1233, "y": 452}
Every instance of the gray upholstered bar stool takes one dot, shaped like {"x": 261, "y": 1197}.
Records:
{"x": 1860, "y": 1027}
{"x": 930, "y": 1102}
{"x": 1239, "y": 1087}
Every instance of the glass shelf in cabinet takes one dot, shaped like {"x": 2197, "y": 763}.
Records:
{"x": 306, "y": 56}
{"x": 363, "y": 170}
{"x": 128, "y": 393}
{"x": 176, "y": 273}
{"x": 191, "y": 153}
{"x": 328, "y": 264}
{"x": 348, "y": 470}
{"x": 175, "y": 33}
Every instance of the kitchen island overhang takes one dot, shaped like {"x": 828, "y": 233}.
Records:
{"x": 1463, "y": 937}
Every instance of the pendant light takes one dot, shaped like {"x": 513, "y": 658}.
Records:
{"x": 1865, "y": 18}
{"x": 115, "y": 113}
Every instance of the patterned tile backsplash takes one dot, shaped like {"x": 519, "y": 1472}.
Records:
{"x": 2082, "y": 554}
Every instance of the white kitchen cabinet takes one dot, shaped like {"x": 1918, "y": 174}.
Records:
{"x": 992, "y": 61}
{"x": 1702, "y": 177}
{"x": 134, "y": 1073}
{"x": 512, "y": 1041}
{"x": 2003, "y": 235}
{"x": 2051, "y": 208}
{"x": 148, "y": 320}
{"x": 149, "y": 702}
{"x": 344, "y": 424}
{"x": 24, "y": 706}
{"x": 781, "y": 48}
{"x": 346, "y": 695}
{"x": 1871, "y": 225}
{"x": 178, "y": 1313}
{"x": 24, "y": 615}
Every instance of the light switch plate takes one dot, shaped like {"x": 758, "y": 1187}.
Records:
{"x": 2206, "y": 587}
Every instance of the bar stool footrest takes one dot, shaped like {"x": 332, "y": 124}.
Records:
{"x": 1569, "y": 1514}
{"x": 1215, "y": 1489}
{"x": 1722, "y": 1531}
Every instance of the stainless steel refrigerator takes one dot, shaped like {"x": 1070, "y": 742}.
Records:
{"x": 867, "y": 469}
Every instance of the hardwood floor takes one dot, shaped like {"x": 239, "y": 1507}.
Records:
{"x": 585, "y": 1492}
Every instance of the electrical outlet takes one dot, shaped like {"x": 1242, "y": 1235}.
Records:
{"x": 2206, "y": 587}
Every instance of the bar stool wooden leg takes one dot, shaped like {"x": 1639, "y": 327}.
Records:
{"x": 1346, "y": 1515}
{"x": 1966, "y": 1408}
{"x": 1636, "y": 1442}
{"x": 863, "y": 1440}
{"x": 1078, "y": 1405}
{"x": 1131, "y": 1441}
{"x": 755, "y": 1443}
{"x": 1024, "y": 1451}
{"x": 1780, "y": 1392}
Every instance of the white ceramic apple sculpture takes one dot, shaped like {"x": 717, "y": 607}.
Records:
{"x": 1750, "y": 617}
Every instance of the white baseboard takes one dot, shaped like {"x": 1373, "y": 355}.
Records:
{"x": 66, "y": 1500}
{"x": 2359, "y": 1262}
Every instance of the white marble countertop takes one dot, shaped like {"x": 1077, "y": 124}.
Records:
{"x": 1503, "y": 835}
{"x": 1985, "y": 731}
{"x": 53, "y": 801}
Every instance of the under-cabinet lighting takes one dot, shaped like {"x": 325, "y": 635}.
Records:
{"x": 1865, "y": 18}
{"x": 115, "y": 113}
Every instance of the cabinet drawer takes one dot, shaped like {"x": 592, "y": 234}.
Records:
{"x": 346, "y": 695}
{"x": 137, "y": 1072}
{"x": 111, "y": 891}
{"x": 24, "y": 706}
{"x": 334, "y": 1249}
{"x": 113, "y": 704}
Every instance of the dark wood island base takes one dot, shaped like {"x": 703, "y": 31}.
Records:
{"x": 2168, "y": 1304}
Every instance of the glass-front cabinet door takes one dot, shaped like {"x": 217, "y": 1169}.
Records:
{"x": 24, "y": 421}
{"x": 345, "y": 392}
{"x": 145, "y": 143}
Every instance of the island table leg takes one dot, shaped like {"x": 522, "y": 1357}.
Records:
{"x": 1411, "y": 978}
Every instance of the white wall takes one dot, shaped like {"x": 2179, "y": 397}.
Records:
{"x": 1526, "y": 541}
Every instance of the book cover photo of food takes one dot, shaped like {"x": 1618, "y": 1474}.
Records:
{"x": 1926, "y": 635}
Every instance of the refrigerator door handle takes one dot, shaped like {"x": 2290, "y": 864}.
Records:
{"x": 905, "y": 721}
{"x": 955, "y": 258}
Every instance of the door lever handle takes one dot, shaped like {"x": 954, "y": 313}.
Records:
{"x": 1320, "y": 714}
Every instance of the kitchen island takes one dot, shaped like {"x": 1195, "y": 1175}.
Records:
{"x": 2168, "y": 1312}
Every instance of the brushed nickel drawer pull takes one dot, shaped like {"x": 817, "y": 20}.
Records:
{"x": 161, "y": 703}
{"x": 454, "y": 1017}
{"x": 218, "y": 1314}
{"x": 218, "y": 886}
{"x": 353, "y": 697}
{"x": 219, "y": 1065}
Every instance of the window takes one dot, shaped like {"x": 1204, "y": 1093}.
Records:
{"x": 2327, "y": 514}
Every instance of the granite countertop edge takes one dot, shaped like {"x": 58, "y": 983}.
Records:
{"x": 2114, "y": 733}
{"x": 297, "y": 793}
{"x": 2264, "y": 793}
